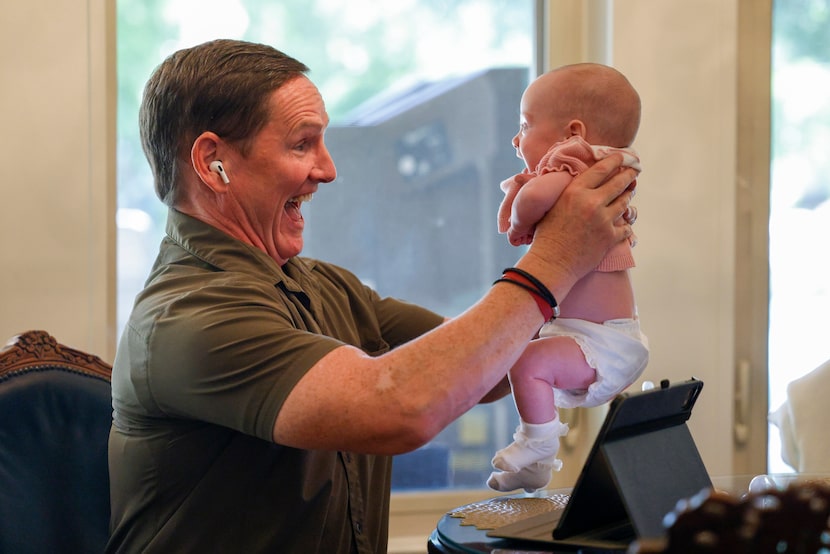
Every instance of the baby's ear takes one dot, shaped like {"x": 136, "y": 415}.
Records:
{"x": 577, "y": 128}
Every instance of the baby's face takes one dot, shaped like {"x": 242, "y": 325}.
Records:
{"x": 538, "y": 128}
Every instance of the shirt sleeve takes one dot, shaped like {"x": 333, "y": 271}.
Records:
{"x": 229, "y": 358}
{"x": 231, "y": 353}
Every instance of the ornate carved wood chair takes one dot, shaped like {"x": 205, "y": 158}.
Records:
{"x": 55, "y": 414}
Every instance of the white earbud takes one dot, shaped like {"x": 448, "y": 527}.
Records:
{"x": 217, "y": 167}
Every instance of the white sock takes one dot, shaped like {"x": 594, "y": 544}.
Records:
{"x": 532, "y": 442}
{"x": 531, "y": 478}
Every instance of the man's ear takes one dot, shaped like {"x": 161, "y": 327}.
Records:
{"x": 577, "y": 128}
{"x": 205, "y": 151}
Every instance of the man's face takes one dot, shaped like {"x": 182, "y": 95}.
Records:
{"x": 286, "y": 162}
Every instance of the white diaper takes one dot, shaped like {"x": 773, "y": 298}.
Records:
{"x": 616, "y": 349}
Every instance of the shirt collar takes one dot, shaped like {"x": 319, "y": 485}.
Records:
{"x": 221, "y": 250}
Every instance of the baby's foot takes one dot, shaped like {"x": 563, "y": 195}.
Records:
{"x": 531, "y": 443}
{"x": 531, "y": 478}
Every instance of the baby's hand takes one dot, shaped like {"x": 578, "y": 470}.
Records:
{"x": 517, "y": 238}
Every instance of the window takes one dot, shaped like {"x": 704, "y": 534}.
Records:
{"x": 800, "y": 199}
{"x": 420, "y": 133}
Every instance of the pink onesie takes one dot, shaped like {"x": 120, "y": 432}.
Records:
{"x": 575, "y": 155}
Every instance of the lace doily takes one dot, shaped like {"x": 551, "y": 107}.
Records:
{"x": 498, "y": 512}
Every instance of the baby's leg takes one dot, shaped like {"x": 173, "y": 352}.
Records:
{"x": 547, "y": 363}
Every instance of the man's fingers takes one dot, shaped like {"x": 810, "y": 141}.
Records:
{"x": 604, "y": 169}
{"x": 609, "y": 175}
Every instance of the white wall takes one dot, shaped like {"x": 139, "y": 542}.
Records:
{"x": 682, "y": 57}
{"x": 57, "y": 227}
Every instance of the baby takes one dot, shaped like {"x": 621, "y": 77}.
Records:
{"x": 570, "y": 118}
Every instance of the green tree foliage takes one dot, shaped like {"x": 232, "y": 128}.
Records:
{"x": 801, "y": 106}
{"x": 802, "y": 28}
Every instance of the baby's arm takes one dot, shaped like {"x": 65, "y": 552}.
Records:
{"x": 532, "y": 202}
{"x": 511, "y": 187}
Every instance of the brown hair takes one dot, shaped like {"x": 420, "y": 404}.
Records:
{"x": 221, "y": 86}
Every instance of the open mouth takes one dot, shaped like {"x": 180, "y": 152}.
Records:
{"x": 292, "y": 207}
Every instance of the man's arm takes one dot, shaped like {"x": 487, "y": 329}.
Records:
{"x": 498, "y": 392}
{"x": 399, "y": 401}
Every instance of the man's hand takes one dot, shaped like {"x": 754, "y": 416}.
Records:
{"x": 587, "y": 220}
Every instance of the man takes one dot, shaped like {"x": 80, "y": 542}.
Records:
{"x": 258, "y": 395}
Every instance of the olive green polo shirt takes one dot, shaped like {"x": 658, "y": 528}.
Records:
{"x": 215, "y": 343}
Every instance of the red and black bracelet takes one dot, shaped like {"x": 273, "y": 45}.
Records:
{"x": 541, "y": 294}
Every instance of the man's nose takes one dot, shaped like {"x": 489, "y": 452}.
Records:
{"x": 324, "y": 171}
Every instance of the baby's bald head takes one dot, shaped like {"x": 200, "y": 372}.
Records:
{"x": 599, "y": 96}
